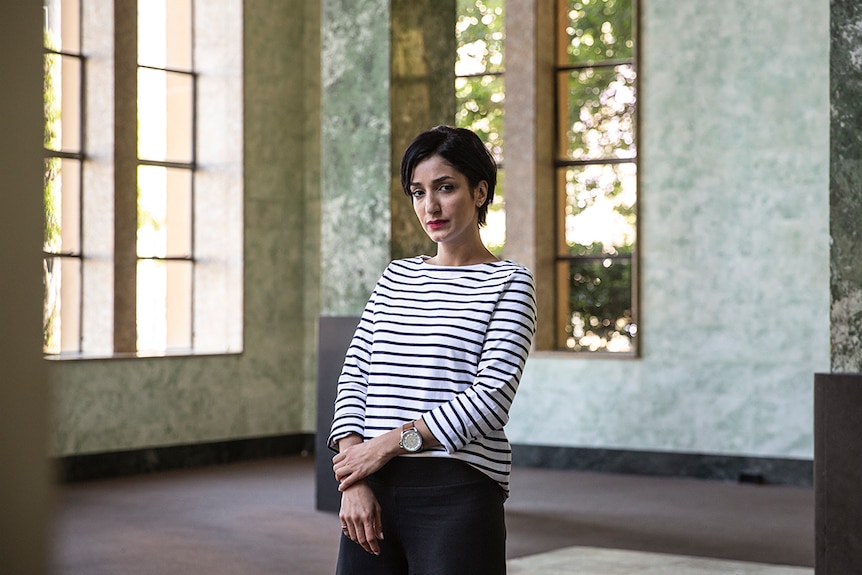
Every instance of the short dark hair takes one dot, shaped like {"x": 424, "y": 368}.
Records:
{"x": 459, "y": 147}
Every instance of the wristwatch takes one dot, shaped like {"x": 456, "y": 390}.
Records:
{"x": 411, "y": 439}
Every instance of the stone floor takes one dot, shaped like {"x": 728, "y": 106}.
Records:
{"x": 259, "y": 518}
{"x": 594, "y": 561}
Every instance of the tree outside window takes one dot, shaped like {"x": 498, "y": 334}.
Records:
{"x": 480, "y": 93}
{"x": 596, "y": 163}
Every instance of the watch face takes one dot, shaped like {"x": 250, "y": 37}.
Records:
{"x": 411, "y": 440}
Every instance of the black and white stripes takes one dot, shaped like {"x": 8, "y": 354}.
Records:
{"x": 447, "y": 344}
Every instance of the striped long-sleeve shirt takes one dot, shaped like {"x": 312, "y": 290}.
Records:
{"x": 447, "y": 344}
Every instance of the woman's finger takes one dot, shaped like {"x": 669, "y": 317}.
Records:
{"x": 371, "y": 532}
{"x": 346, "y": 482}
{"x": 360, "y": 517}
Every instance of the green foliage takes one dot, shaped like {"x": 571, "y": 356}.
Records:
{"x": 600, "y": 30}
{"x": 480, "y": 108}
{"x": 598, "y": 112}
{"x": 479, "y": 88}
{"x": 600, "y": 300}
{"x": 599, "y": 103}
{"x": 51, "y": 141}
{"x": 50, "y": 195}
{"x": 479, "y": 33}
{"x": 600, "y": 209}
{"x": 480, "y": 92}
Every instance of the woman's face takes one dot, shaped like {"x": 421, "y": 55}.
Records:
{"x": 444, "y": 203}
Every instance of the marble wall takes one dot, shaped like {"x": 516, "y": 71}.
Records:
{"x": 846, "y": 186}
{"x": 734, "y": 237}
{"x": 734, "y": 240}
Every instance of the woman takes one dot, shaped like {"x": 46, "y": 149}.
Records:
{"x": 429, "y": 377}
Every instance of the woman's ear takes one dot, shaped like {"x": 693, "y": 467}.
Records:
{"x": 481, "y": 193}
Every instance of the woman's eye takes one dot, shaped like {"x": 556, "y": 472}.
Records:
{"x": 446, "y": 188}
{"x": 416, "y": 193}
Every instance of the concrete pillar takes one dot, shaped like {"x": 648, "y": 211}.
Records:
{"x": 529, "y": 151}
{"x": 25, "y": 480}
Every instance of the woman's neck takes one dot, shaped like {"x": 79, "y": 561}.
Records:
{"x": 461, "y": 257}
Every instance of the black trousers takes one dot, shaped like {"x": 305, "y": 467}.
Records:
{"x": 440, "y": 517}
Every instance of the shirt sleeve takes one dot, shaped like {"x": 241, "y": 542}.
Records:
{"x": 351, "y": 393}
{"x": 483, "y": 408}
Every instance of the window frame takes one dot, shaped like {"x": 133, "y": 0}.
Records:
{"x": 497, "y": 209}
{"x": 561, "y": 259}
{"x": 69, "y": 342}
{"x": 190, "y": 166}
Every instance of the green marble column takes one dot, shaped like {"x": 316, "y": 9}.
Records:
{"x": 838, "y": 395}
{"x": 355, "y": 151}
{"x": 846, "y": 186}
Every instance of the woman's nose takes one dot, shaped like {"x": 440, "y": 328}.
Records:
{"x": 432, "y": 206}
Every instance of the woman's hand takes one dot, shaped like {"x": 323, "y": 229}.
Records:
{"x": 356, "y": 459}
{"x": 356, "y": 462}
{"x": 360, "y": 517}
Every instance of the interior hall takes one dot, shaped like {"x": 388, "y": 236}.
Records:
{"x": 683, "y": 441}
